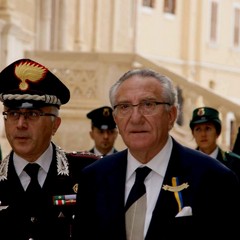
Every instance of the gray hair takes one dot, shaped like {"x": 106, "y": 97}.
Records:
{"x": 169, "y": 90}
{"x": 55, "y": 111}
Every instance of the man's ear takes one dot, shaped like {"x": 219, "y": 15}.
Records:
{"x": 56, "y": 123}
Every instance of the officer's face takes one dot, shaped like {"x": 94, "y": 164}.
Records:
{"x": 28, "y": 133}
{"x": 103, "y": 139}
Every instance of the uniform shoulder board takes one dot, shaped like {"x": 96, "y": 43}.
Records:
{"x": 85, "y": 154}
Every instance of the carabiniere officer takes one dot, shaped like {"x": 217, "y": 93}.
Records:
{"x": 38, "y": 179}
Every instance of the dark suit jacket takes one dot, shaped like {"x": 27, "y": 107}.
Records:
{"x": 53, "y": 221}
{"x": 213, "y": 195}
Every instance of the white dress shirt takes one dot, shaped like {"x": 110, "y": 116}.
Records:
{"x": 153, "y": 181}
{"x": 214, "y": 153}
{"x": 44, "y": 161}
{"x": 100, "y": 154}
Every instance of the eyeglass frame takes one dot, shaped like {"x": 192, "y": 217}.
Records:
{"x": 25, "y": 115}
{"x": 131, "y": 106}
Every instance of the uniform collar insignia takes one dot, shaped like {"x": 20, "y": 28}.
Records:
{"x": 4, "y": 168}
{"x": 62, "y": 164}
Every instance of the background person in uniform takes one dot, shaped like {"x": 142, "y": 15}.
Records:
{"x": 206, "y": 127}
{"x": 38, "y": 206}
{"x": 189, "y": 194}
{"x": 103, "y": 131}
{"x": 236, "y": 146}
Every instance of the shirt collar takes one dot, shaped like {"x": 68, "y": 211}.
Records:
{"x": 20, "y": 163}
{"x": 158, "y": 164}
{"x": 213, "y": 154}
{"x": 99, "y": 153}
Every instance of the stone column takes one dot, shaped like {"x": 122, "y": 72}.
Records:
{"x": 63, "y": 25}
{"x": 44, "y": 30}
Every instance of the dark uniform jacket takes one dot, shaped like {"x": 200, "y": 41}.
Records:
{"x": 231, "y": 160}
{"x": 92, "y": 150}
{"x": 236, "y": 146}
{"x": 212, "y": 194}
{"x": 54, "y": 218}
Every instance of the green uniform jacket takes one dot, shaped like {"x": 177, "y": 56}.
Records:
{"x": 231, "y": 160}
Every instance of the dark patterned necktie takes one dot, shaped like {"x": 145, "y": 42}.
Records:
{"x": 135, "y": 208}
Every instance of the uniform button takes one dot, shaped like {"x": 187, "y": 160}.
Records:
{"x": 33, "y": 219}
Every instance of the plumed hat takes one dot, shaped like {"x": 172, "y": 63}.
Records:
{"x": 28, "y": 84}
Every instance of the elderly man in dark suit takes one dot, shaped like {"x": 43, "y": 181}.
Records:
{"x": 38, "y": 179}
{"x": 156, "y": 188}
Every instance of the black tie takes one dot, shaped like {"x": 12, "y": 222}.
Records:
{"x": 32, "y": 170}
{"x": 33, "y": 190}
{"x": 138, "y": 188}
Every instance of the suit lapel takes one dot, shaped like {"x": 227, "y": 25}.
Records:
{"x": 7, "y": 196}
{"x": 55, "y": 183}
{"x": 113, "y": 192}
{"x": 14, "y": 181}
{"x": 116, "y": 180}
{"x": 167, "y": 207}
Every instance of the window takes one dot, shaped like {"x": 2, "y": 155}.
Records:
{"x": 169, "y": 6}
{"x": 148, "y": 3}
{"x": 236, "y": 30}
{"x": 213, "y": 21}
{"x": 180, "y": 119}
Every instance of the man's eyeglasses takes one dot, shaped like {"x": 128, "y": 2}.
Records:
{"x": 33, "y": 115}
{"x": 146, "y": 108}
